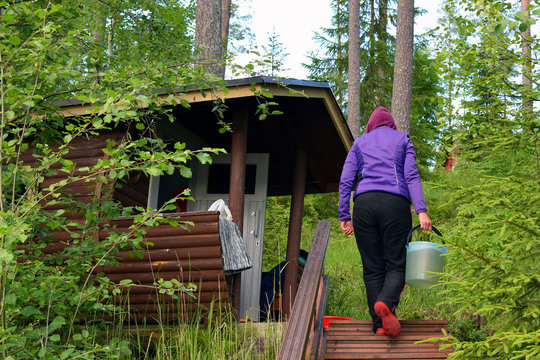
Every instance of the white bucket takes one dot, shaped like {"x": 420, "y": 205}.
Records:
{"x": 423, "y": 259}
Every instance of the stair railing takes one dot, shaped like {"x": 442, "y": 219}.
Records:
{"x": 303, "y": 335}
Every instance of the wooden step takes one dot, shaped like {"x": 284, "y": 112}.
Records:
{"x": 354, "y": 339}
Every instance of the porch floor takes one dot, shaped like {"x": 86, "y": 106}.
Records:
{"x": 354, "y": 339}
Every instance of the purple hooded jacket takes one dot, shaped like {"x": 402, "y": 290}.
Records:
{"x": 384, "y": 160}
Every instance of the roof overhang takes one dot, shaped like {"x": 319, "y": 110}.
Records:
{"x": 311, "y": 117}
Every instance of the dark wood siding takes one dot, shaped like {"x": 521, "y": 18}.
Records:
{"x": 133, "y": 191}
{"x": 189, "y": 254}
{"x": 83, "y": 152}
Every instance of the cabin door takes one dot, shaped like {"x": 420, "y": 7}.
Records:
{"x": 210, "y": 183}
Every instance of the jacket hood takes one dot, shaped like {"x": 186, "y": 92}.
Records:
{"x": 380, "y": 117}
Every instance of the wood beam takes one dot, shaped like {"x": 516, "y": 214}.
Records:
{"x": 237, "y": 183}
{"x": 295, "y": 230}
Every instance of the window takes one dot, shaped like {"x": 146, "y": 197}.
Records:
{"x": 219, "y": 179}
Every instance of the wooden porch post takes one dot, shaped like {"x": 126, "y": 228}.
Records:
{"x": 295, "y": 230}
{"x": 237, "y": 183}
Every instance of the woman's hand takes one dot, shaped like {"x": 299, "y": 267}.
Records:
{"x": 425, "y": 222}
{"x": 347, "y": 227}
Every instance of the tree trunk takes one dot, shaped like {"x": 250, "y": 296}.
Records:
{"x": 526, "y": 69}
{"x": 225, "y": 20}
{"x": 381, "y": 64}
{"x": 403, "y": 66}
{"x": 208, "y": 42}
{"x": 339, "y": 55}
{"x": 354, "y": 68}
{"x": 372, "y": 35}
{"x": 97, "y": 37}
{"x": 110, "y": 38}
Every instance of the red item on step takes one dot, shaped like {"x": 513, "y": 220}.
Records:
{"x": 327, "y": 319}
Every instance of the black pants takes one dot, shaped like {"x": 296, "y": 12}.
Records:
{"x": 381, "y": 224}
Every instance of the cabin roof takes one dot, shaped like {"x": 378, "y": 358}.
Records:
{"x": 311, "y": 116}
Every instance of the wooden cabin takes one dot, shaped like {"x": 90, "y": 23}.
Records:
{"x": 298, "y": 152}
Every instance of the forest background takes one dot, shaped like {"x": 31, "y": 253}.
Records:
{"x": 474, "y": 95}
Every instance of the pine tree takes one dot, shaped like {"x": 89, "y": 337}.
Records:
{"x": 274, "y": 55}
{"x": 493, "y": 192}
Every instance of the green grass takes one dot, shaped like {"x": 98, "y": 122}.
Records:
{"x": 343, "y": 263}
{"x": 347, "y": 291}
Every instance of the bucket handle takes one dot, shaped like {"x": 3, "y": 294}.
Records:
{"x": 409, "y": 237}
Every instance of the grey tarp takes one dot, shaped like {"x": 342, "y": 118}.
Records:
{"x": 233, "y": 250}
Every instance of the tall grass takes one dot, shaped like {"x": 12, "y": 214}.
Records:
{"x": 223, "y": 339}
{"x": 207, "y": 335}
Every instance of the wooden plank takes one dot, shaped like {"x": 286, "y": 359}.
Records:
{"x": 307, "y": 291}
{"x": 296, "y": 333}
{"x": 170, "y": 265}
{"x": 341, "y": 328}
{"x": 165, "y": 242}
{"x": 403, "y": 323}
{"x": 354, "y": 339}
{"x": 203, "y": 297}
{"x": 59, "y": 240}
{"x": 318, "y": 330}
{"x": 50, "y": 180}
{"x": 372, "y": 348}
{"x": 174, "y": 317}
{"x": 170, "y": 308}
{"x": 150, "y": 288}
{"x": 420, "y": 331}
{"x": 373, "y": 338}
{"x": 172, "y": 254}
{"x": 198, "y": 217}
{"x": 338, "y": 334}
{"x": 130, "y": 195}
{"x": 312, "y": 333}
{"x": 188, "y": 276}
{"x": 67, "y": 202}
{"x": 381, "y": 346}
{"x": 394, "y": 356}
{"x": 167, "y": 230}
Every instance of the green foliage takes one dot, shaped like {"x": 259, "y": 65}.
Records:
{"x": 467, "y": 330}
{"x": 273, "y": 56}
{"x": 330, "y": 63}
{"x": 317, "y": 207}
{"x": 426, "y": 85}
{"x": 492, "y": 198}
{"x": 275, "y": 231}
{"x": 495, "y": 235}
{"x": 105, "y": 55}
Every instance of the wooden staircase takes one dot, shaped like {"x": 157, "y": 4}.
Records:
{"x": 354, "y": 339}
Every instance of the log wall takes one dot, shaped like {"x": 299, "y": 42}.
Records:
{"x": 189, "y": 255}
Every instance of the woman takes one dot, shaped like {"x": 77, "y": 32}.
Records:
{"x": 384, "y": 161}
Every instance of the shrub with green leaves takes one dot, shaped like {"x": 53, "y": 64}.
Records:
{"x": 51, "y": 306}
{"x": 493, "y": 194}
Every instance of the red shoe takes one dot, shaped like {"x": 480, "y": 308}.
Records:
{"x": 380, "y": 332}
{"x": 391, "y": 325}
